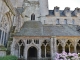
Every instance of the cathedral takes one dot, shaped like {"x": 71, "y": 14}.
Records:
{"x": 29, "y": 30}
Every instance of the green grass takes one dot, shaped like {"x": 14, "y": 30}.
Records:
{"x": 9, "y": 57}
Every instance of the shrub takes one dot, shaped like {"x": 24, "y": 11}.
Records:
{"x": 78, "y": 54}
{"x": 9, "y": 57}
{"x": 65, "y": 56}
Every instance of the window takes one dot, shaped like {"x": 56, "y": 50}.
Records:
{"x": 33, "y": 16}
{"x": 57, "y": 21}
{"x": 65, "y": 21}
{"x": 73, "y": 22}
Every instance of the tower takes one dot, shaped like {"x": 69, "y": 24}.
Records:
{"x": 43, "y": 7}
{"x": 37, "y": 7}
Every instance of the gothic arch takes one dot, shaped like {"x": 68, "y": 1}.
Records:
{"x": 59, "y": 46}
{"x": 45, "y": 49}
{"x": 19, "y": 49}
{"x": 78, "y": 46}
{"x": 32, "y": 52}
{"x": 69, "y": 47}
{"x": 33, "y": 46}
{"x": 32, "y": 16}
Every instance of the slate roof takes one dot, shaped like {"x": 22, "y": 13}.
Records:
{"x": 51, "y": 12}
{"x": 20, "y": 10}
{"x": 35, "y": 28}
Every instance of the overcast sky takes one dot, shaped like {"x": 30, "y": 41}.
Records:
{"x": 64, "y": 3}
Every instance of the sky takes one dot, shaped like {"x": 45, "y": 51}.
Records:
{"x": 63, "y": 3}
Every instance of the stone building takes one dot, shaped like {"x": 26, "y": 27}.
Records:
{"x": 37, "y": 31}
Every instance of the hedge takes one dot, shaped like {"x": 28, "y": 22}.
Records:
{"x": 9, "y": 57}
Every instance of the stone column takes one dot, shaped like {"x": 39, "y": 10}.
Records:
{"x": 69, "y": 49}
{"x": 39, "y": 53}
{"x": 25, "y": 52}
{"x": 75, "y": 48}
{"x": 51, "y": 47}
{"x": 19, "y": 52}
{"x": 63, "y": 48}
{"x": 54, "y": 44}
{"x": 54, "y": 48}
{"x": 13, "y": 48}
{"x": 45, "y": 51}
{"x": 63, "y": 45}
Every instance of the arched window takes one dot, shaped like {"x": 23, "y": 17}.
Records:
{"x": 59, "y": 46}
{"x": 33, "y": 16}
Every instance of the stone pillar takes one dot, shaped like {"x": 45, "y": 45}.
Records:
{"x": 63, "y": 45}
{"x": 54, "y": 48}
{"x": 25, "y": 52}
{"x": 45, "y": 51}
{"x": 54, "y": 44}
{"x": 69, "y": 49}
{"x": 51, "y": 47}
{"x": 19, "y": 52}
{"x": 75, "y": 48}
{"x": 13, "y": 48}
{"x": 39, "y": 53}
{"x": 63, "y": 48}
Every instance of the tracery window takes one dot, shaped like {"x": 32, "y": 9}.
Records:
{"x": 45, "y": 49}
{"x": 29, "y": 41}
{"x": 19, "y": 49}
{"x": 36, "y": 41}
{"x": 69, "y": 48}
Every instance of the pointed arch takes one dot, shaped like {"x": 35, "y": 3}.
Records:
{"x": 59, "y": 46}
{"x": 33, "y": 16}
{"x": 48, "y": 53}
{"x": 78, "y": 47}
{"x": 66, "y": 48}
{"x": 69, "y": 48}
{"x": 19, "y": 49}
{"x": 60, "y": 49}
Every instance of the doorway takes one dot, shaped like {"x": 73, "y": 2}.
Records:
{"x": 32, "y": 52}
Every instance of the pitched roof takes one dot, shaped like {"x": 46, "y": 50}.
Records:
{"x": 35, "y": 28}
{"x": 51, "y": 12}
